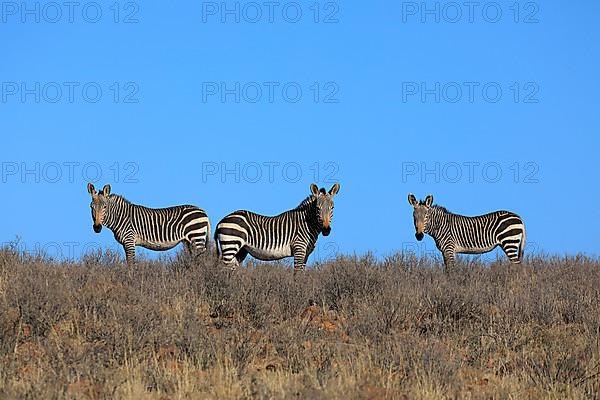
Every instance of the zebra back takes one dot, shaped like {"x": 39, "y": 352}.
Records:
{"x": 161, "y": 225}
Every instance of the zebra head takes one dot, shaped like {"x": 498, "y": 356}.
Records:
{"x": 420, "y": 214}
{"x": 98, "y": 205}
{"x": 324, "y": 201}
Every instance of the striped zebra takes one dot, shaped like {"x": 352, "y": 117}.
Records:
{"x": 455, "y": 233}
{"x": 293, "y": 233}
{"x": 152, "y": 228}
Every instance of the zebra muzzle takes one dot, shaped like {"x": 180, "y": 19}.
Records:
{"x": 326, "y": 231}
{"x": 419, "y": 235}
{"x": 97, "y": 228}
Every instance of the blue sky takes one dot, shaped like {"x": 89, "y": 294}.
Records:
{"x": 494, "y": 107}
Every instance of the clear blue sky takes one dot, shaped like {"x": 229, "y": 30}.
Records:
{"x": 166, "y": 134}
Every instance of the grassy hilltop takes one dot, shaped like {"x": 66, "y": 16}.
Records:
{"x": 352, "y": 328}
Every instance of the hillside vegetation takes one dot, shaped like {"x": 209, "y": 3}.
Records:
{"x": 351, "y": 328}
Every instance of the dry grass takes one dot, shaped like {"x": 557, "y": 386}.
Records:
{"x": 353, "y": 328}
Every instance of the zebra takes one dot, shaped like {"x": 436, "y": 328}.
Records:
{"x": 292, "y": 233}
{"x": 455, "y": 233}
{"x": 153, "y": 228}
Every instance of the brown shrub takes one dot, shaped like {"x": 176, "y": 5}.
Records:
{"x": 352, "y": 328}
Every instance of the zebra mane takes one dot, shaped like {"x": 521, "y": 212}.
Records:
{"x": 306, "y": 203}
{"x": 113, "y": 196}
{"x": 440, "y": 208}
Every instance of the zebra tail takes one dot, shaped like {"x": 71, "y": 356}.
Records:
{"x": 207, "y": 235}
{"x": 217, "y": 244}
{"x": 522, "y": 247}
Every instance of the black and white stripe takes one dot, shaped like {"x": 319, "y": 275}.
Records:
{"x": 455, "y": 233}
{"x": 293, "y": 233}
{"x": 153, "y": 228}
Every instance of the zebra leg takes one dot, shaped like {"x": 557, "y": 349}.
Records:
{"x": 197, "y": 243}
{"x": 228, "y": 247}
{"x": 512, "y": 252}
{"x": 230, "y": 262}
{"x": 194, "y": 248}
{"x": 188, "y": 247}
{"x": 513, "y": 246}
{"x": 449, "y": 259}
{"x": 300, "y": 256}
{"x": 129, "y": 247}
{"x": 234, "y": 260}
{"x": 191, "y": 250}
{"x": 241, "y": 256}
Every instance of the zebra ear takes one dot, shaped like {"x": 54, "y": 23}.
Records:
{"x": 429, "y": 200}
{"x": 314, "y": 189}
{"x": 91, "y": 189}
{"x": 334, "y": 189}
{"x": 412, "y": 200}
{"x": 106, "y": 189}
